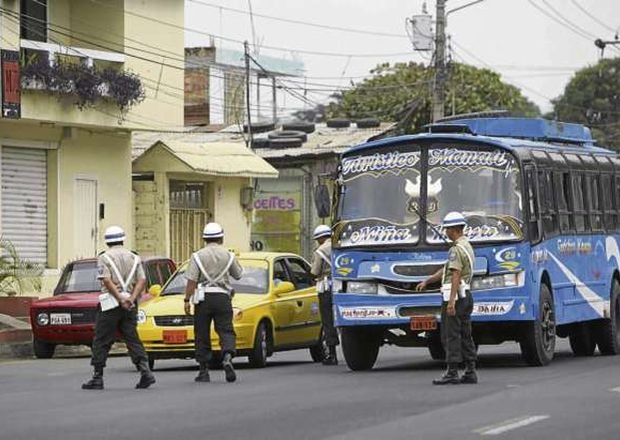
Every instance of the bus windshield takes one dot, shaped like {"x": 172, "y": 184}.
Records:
{"x": 482, "y": 184}
{"x": 380, "y": 196}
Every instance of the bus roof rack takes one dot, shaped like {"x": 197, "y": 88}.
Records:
{"x": 537, "y": 129}
{"x": 476, "y": 115}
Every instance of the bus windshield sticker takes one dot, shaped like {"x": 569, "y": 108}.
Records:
{"x": 378, "y": 164}
{"x": 473, "y": 160}
{"x": 373, "y": 232}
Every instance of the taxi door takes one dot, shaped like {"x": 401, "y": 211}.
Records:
{"x": 309, "y": 318}
{"x": 288, "y": 308}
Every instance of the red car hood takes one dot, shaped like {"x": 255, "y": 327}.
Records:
{"x": 78, "y": 300}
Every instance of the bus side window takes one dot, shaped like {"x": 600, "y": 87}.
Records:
{"x": 547, "y": 204}
{"x": 532, "y": 204}
{"x": 578, "y": 205}
{"x": 609, "y": 204}
{"x": 594, "y": 202}
{"x": 616, "y": 196}
{"x": 560, "y": 189}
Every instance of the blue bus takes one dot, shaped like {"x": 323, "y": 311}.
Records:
{"x": 542, "y": 204}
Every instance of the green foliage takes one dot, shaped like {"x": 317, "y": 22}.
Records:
{"x": 406, "y": 89}
{"x": 592, "y": 97}
{"x": 17, "y": 274}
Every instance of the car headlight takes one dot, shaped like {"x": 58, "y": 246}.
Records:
{"x": 237, "y": 313}
{"x": 43, "y": 319}
{"x": 504, "y": 280}
{"x": 141, "y": 316}
{"x": 361, "y": 287}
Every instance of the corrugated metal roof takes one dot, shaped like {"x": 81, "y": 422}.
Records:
{"x": 324, "y": 140}
{"x": 217, "y": 158}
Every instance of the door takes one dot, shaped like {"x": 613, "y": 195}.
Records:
{"x": 85, "y": 218}
{"x": 24, "y": 202}
{"x": 308, "y": 318}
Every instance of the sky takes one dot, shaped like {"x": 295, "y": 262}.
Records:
{"x": 535, "y": 49}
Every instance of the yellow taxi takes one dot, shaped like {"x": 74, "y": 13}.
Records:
{"x": 275, "y": 306}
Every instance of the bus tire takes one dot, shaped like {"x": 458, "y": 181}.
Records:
{"x": 435, "y": 346}
{"x": 581, "y": 340}
{"x": 360, "y": 347}
{"x": 607, "y": 332}
{"x": 538, "y": 341}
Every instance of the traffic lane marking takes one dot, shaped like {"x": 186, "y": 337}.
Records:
{"x": 511, "y": 424}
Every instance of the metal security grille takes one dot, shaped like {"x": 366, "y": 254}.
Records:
{"x": 24, "y": 201}
{"x": 186, "y": 231}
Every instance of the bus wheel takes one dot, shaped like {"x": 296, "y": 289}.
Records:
{"x": 435, "y": 347}
{"x": 538, "y": 342}
{"x": 582, "y": 340}
{"x": 360, "y": 347}
{"x": 608, "y": 330}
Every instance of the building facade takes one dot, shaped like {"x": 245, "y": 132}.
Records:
{"x": 65, "y": 127}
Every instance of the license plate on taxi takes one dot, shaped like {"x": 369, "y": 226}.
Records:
{"x": 175, "y": 336}
{"x": 423, "y": 322}
{"x": 60, "y": 318}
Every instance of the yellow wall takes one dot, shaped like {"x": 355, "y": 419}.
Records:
{"x": 230, "y": 214}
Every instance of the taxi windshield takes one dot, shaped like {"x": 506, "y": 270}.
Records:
{"x": 254, "y": 280}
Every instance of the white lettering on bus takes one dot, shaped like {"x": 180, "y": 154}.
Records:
{"x": 380, "y": 162}
{"x": 384, "y": 234}
{"x": 467, "y": 158}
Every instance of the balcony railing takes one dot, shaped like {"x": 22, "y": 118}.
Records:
{"x": 88, "y": 55}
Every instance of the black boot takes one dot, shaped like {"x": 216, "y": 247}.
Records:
{"x": 229, "y": 370}
{"x": 203, "y": 373}
{"x": 96, "y": 383}
{"x": 146, "y": 376}
{"x": 332, "y": 357}
{"x": 451, "y": 376}
{"x": 470, "y": 376}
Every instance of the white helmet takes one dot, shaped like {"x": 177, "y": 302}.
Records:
{"x": 322, "y": 231}
{"x": 212, "y": 230}
{"x": 453, "y": 219}
{"x": 114, "y": 234}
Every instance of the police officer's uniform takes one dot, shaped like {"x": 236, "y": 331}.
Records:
{"x": 211, "y": 268}
{"x": 321, "y": 270}
{"x": 456, "y": 330}
{"x": 124, "y": 269}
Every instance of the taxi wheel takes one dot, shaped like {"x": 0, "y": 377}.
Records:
{"x": 42, "y": 349}
{"x": 319, "y": 351}
{"x": 258, "y": 356}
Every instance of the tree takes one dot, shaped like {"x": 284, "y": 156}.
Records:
{"x": 403, "y": 92}
{"x": 592, "y": 97}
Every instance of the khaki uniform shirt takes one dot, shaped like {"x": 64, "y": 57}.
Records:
{"x": 457, "y": 260}
{"x": 214, "y": 258}
{"x": 320, "y": 269}
{"x": 124, "y": 261}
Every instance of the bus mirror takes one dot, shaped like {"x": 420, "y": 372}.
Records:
{"x": 322, "y": 201}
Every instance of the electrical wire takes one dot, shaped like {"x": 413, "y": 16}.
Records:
{"x": 585, "y": 11}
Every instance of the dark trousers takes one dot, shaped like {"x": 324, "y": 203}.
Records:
{"x": 106, "y": 326}
{"x": 327, "y": 317}
{"x": 456, "y": 332}
{"x": 216, "y": 307}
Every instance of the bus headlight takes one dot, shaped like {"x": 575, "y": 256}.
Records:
{"x": 141, "y": 316}
{"x": 501, "y": 281}
{"x": 361, "y": 287}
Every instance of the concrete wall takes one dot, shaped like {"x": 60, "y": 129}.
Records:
{"x": 230, "y": 214}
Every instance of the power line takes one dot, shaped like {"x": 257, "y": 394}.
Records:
{"x": 585, "y": 11}
{"x": 300, "y": 22}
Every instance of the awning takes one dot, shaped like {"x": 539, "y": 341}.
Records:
{"x": 210, "y": 158}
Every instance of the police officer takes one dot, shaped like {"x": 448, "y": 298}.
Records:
{"x": 321, "y": 270}
{"x": 122, "y": 281}
{"x": 209, "y": 288}
{"x": 457, "y": 304}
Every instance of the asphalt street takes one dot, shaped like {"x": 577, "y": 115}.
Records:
{"x": 573, "y": 398}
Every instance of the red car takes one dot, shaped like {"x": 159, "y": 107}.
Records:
{"x": 68, "y": 317}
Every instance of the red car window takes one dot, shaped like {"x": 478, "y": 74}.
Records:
{"x": 79, "y": 278}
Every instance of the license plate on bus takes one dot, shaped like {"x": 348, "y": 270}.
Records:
{"x": 175, "y": 336}
{"x": 423, "y": 322}
{"x": 60, "y": 318}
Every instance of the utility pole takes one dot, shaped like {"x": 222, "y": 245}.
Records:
{"x": 246, "y": 47}
{"x": 439, "y": 87}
